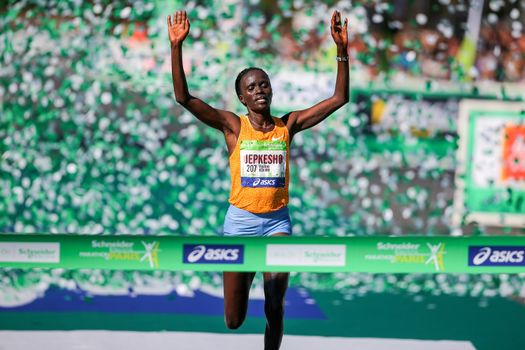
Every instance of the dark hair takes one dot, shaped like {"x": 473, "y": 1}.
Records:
{"x": 241, "y": 75}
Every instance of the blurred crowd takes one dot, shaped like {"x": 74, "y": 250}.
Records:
{"x": 425, "y": 39}
{"x": 421, "y": 38}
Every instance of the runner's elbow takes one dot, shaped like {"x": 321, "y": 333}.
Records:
{"x": 182, "y": 100}
{"x": 341, "y": 99}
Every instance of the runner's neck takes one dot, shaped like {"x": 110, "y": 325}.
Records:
{"x": 261, "y": 123}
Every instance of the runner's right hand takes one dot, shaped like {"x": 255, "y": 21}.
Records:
{"x": 178, "y": 27}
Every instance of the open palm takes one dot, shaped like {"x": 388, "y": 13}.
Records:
{"x": 178, "y": 27}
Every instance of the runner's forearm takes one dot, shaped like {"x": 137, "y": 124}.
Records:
{"x": 180, "y": 86}
{"x": 342, "y": 83}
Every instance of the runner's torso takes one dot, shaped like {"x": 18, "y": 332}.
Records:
{"x": 259, "y": 166}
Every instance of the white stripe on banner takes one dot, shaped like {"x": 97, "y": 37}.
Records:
{"x": 31, "y": 252}
{"x": 305, "y": 255}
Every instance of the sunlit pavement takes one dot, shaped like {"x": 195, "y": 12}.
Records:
{"x": 314, "y": 320}
{"x": 96, "y": 340}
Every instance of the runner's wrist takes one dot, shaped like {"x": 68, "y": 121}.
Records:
{"x": 342, "y": 50}
{"x": 175, "y": 44}
{"x": 342, "y": 54}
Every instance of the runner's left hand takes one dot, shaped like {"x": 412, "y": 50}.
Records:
{"x": 339, "y": 33}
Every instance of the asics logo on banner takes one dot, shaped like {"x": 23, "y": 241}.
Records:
{"x": 499, "y": 256}
{"x": 197, "y": 253}
{"x": 263, "y": 182}
{"x": 482, "y": 256}
{"x": 213, "y": 254}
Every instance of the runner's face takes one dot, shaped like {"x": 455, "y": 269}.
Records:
{"x": 256, "y": 91}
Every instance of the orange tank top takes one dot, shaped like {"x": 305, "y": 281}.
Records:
{"x": 259, "y": 167}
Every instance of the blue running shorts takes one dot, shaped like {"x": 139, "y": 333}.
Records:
{"x": 242, "y": 223}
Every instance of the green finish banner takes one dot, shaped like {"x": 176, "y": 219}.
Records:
{"x": 374, "y": 254}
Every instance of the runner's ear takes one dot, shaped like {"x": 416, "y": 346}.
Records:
{"x": 241, "y": 98}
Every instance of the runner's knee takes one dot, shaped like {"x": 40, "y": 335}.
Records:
{"x": 233, "y": 321}
{"x": 274, "y": 309}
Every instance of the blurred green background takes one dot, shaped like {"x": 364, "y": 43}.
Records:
{"x": 93, "y": 142}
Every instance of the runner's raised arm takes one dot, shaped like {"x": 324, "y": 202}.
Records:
{"x": 227, "y": 122}
{"x": 304, "y": 119}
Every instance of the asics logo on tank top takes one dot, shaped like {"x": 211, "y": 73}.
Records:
{"x": 263, "y": 182}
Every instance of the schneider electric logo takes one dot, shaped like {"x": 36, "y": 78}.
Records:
{"x": 306, "y": 254}
{"x": 213, "y": 254}
{"x": 29, "y": 252}
{"x": 496, "y": 256}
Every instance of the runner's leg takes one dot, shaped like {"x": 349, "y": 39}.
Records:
{"x": 275, "y": 285}
{"x": 236, "y": 291}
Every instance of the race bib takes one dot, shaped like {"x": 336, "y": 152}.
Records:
{"x": 263, "y": 163}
